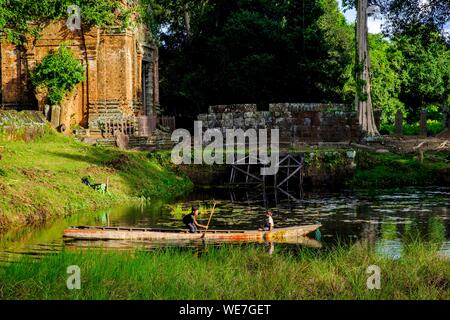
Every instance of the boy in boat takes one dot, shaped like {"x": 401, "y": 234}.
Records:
{"x": 190, "y": 220}
{"x": 269, "y": 222}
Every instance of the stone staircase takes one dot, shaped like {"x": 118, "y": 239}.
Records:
{"x": 103, "y": 112}
{"x": 158, "y": 140}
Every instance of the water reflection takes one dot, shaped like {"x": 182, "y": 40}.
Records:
{"x": 385, "y": 219}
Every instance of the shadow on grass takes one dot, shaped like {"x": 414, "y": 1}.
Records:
{"x": 145, "y": 176}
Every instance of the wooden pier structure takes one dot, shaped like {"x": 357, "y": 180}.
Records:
{"x": 247, "y": 171}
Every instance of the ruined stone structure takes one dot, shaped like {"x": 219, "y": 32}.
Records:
{"x": 121, "y": 76}
{"x": 298, "y": 122}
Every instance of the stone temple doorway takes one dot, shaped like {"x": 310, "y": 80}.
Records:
{"x": 147, "y": 88}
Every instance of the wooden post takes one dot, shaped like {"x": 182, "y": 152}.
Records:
{"x": 423, "y": 123}
{"x": 288, "y": 172}
{"x": 232, "y": 175}
{"x": 264, "y": 183}
{"x": 399, "y": 123}
{"x": 275, "y": 180}
{"x": 47, "y": 112}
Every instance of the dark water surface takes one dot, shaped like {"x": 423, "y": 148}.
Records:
{"x": 385, "y": 218}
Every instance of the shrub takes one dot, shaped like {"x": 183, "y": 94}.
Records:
{"x": 433, "y": 128}
{"x": 411, "y": 129}
{"x": 59, "y": 72}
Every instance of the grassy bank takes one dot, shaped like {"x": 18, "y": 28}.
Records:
{"x": 391, "y": 170}
{"x": 41, "y": 179}
{"x": 231, "y": 273}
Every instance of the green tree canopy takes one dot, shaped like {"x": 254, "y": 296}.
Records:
{"x": 387, "y": 75}
{"x": 253, "y": 51}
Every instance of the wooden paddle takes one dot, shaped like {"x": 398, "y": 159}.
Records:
{"x": 209, "y": 220}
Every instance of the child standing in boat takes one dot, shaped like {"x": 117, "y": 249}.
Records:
{"x": 190, "y": 220}
{"x": 269, "y": 222}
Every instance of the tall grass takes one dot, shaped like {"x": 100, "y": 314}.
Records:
{"x": 231, "y": 273}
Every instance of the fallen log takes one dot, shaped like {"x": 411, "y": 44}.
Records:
{"x": 364, "y": 147}
{"x": 443, "y": 145}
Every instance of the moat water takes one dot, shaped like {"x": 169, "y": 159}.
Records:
{"x": 385, "y": 218}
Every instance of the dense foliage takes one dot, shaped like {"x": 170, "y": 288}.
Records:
{"x": 409, "y": 72}
{"x": 403, "y": 16}
{"x": 252, "y": 51}
{"x": 263, "y": 51}
{"x": 59, "y": 72}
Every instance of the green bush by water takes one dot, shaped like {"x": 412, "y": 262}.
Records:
{"x": 391, "y": 170}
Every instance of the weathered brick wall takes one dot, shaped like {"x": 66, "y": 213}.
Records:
{"x": 115, "y": 83}
{"x": 300, "y": 122}
{"x": 14, "y": 77}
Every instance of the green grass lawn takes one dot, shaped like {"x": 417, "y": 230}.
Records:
{"x": 231, "y": 273}
{"x": 42, "y": 178}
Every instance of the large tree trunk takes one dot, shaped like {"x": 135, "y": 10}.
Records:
{"x": 363, "y": 95}
{"x": 187, "y": 21}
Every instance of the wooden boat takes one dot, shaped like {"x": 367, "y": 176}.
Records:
{"x": 291, "y": 234}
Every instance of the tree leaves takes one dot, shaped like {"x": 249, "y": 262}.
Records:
{"x": 254, "y": 51}
{"x": 19, "y": 18}
{"x": 59, "y": 72}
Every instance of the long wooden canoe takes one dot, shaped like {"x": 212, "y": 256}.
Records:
{"x": 123, "y": 233}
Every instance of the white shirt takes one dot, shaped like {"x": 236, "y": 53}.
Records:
{"x": 270, "y": 221}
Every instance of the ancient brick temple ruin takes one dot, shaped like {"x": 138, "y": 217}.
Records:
{"x": 298, "y": 122}
{"x": 121, "y": 78}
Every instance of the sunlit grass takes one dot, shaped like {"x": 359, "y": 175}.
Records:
{"x": 232, "y": 273}
{"x": 41, "y": 179}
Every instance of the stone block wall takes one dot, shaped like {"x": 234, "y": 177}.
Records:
{"x": 297, "y": 122}
{"x": 24, "y": 125}
{"x": 233, "y": 108}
